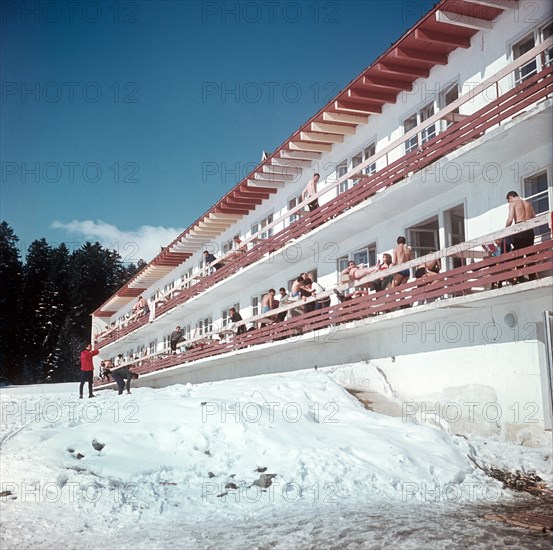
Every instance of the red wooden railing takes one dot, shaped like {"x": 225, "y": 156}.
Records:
{"x": 458, "y": 134}
{"x": 472, "y": 278}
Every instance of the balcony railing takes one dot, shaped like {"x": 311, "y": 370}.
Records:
{"x": 476, "y": 277}
{"x": 504, "y": 107}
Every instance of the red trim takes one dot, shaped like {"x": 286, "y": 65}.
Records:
{"x": 430, "y": 40}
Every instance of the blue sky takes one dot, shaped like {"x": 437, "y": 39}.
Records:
{"x": 124, "y": 121}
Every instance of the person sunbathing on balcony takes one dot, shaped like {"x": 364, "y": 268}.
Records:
{"x": 401, "y": 254}
{"x": 307, "y": 291}
{"x": 309, "y": 191}
{"x": 296, "y": 285}
{"x": 141, "y": 307}
{"x": 520, "y": 210}
{"x": 237, "y": 245}
{"x": 356, "y": 272}
{"x": 176, "y": 337}
{"x": 428, "y": 269}
{"x": 235, "y": 317}
{"x": 284, "y": 299}
{"x": 209, "y": 259}
{"x": 268, "y": 302}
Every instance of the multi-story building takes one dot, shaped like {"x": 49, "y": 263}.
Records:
{"x": 425, "y": 143}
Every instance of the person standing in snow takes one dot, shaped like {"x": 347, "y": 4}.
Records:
{"x": 87, "y": 369}
{"x": 120, "y": 375}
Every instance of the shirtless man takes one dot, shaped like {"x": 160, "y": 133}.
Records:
{"x": 520, "y": 211}
{"x": 296, "y": 285}
{"x": 268, "y": 302}
{"x": 401, "y": 254}
{"x": 311, "y": 189}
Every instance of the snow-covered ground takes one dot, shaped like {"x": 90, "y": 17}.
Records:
{"x": 286, "y": 460}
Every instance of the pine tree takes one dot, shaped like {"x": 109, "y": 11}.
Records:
{"x": 10, "y": 305}
{"x": 57, "y": 295}
{"x": 36, "y": 309}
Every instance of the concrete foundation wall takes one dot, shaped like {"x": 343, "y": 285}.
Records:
{"x": 476, "y": 365}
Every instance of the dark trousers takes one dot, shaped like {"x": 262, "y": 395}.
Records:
{"x": 120, "y": 382}
{"x": 523, "y": 240}
{"x": 86, "y": 376}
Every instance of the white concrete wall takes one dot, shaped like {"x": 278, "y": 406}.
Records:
{"x": 462, "y": 363}
{"x": 479, "y": 186}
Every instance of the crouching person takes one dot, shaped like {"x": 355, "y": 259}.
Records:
{"x": 122, "y": 374}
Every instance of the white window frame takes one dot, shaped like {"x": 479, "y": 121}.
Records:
{"x": 444, "y": 102}
{"x": 542, "y": 232}
{"x": 341, "y": 169}
{"x": 292, "y": 203}
{"x": 368, "y": 152}
{"x": 205, "y": 325}
{"x": 260, "y": 224}
{"x": 416, "y": 118}
{"x": 530, "y": 40}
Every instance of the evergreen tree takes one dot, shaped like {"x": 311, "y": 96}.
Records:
{"x": 45, "y": 305}
{"x": 10, "y": 305}
{"x": 37, "y": 310}
{"x": 69, "y": 346}
{"x": 58, "y": 297}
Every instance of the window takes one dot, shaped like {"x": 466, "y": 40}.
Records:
{"x": 342, "y": 264}
{"x": 362, "y": 156}
{"x": 526, "y": 44}
{"x": 546, "y": 33}
{"x": 187, "y": 276}
{"x": 414, "y": 120}
{"x": 152, "y": 346}
{"x": 292, "y": 203}
{"x": 449, "y": 95}
{"x": 365, "y": 255}
{"x": 408, "y": 125}
{"x": 256, "y": 303}
{"x": 368, "y": 152}
{"x": 226, "y": 316}
{"x": 168, "y": 287}
{"x": 261, "y": 224}
{"x": 430, "y": 131}
{"x": 530, "y": 68}
{"x": 342, "y": 169}
{"x": 357, "y": 159}
{"x": 205, "y": 326}
{"x": 536, "y": 192}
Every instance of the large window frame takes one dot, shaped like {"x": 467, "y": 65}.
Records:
{"x": 525, "y": 44}
{"x": 259, "y": 225}
{"x": 413, "y": 120}
{"x": 538, "y": 191}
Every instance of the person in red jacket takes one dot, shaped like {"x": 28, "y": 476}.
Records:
{"x": 87, "y": 369}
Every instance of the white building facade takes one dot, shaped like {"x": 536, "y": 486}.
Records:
{"x": 425, "y": 143}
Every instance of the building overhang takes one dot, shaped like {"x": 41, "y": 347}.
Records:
{"x": 450, "y": 25}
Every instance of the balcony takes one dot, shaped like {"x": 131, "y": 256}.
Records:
{"x": 490, "y": 278}
{"x": 464, "y": 130}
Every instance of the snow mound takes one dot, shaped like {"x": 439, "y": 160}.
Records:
{"x": 232, "y": 447}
